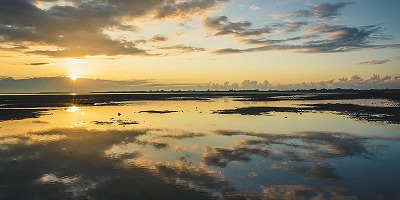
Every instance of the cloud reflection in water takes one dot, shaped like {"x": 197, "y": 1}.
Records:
{"x": 144, "y": 164}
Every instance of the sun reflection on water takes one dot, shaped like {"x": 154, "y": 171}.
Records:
{"x": 73, "y": 109}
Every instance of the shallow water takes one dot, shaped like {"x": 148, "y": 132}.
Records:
{"x": 182, "y": 150}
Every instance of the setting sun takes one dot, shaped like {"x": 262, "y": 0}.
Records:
{"x": 73, "y": 77}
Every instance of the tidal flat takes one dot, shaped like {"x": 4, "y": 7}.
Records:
{"x": 200, "y": 145}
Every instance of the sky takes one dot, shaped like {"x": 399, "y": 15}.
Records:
{"x": 202, "y": 43}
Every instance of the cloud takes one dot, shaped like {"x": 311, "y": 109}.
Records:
{"x": 51, "y": 179}
{"x": 66, "y": 31}
{"x": 339, "y": 192}
{"x": 354, "y": 82}
{"x": 320, "y": 11}
{"x": 264, "y": 41}
{"x": 154, "y": 39}
{"x": 221, "y": 25}
{"x": 326, "y": 11}
{"x": 317, "y": 170}
{"x": 356, "y": 36}
{"x": 336, "y": 39}
{"x": 374, "y": 62}
{"x": 185, "y": 9}
{"x": 275, "y": 15}
{"x": 37, "y": 64}
{"x": 286, "y": 191}
{"x": 293, "y": 26}
{"x": 61, "y": 163}
{"x": 300, "y": 13}
{"x": 159, "y": 38}
{"x": 307, "y": 37}
{"x": 77, "y": 29}
{"x": 379, "y": 62}
{"x": 85, "y": 28}
{"x": 310, "y": 146}
{"x": 254, "y": 7}
{"x": 194, "y": 177}
{"x": 183, "y": 48}
{"x": 89, "y": 172}
{"x": 222, "y": 156}
{"x": 161, "y": 9}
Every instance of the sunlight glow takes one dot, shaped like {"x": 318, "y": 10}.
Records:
{"x": 73, "y": 77}
{"x": 73, "y": 109}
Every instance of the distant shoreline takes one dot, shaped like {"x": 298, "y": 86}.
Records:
{"x": 337, "y": 90}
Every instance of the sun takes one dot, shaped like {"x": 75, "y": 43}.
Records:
{"x": 73, "y": 77}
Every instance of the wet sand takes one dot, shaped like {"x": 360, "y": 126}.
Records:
{"x": 56, "y": 100}
{"x": 18, "y": 114}
{"x": 158, "y": 111}
{"x": 367, "y": 113}
{"x": 34, "y": 105}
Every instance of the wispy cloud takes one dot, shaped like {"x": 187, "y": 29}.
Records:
{"x": 300, "y": 13}
{"x": 265, "y": 41}
{"x": 304, "y": 36}
{"x": 221, "y": 25}
{"x": 154, "y": 39}
{"x": 37, "y": 63}
{"x": 254, "y": 7}
{"x": 183, "y": 48}
{"x": 185, "y": 9}
{"x": 322, "y": 39}
{"x": 320, "y": 11}
{"x": 179, "y": 49}
{"x": 286, "y": 191}
{"x": 275, "y": 15}
{"x": 327, "y": 11}
{"x": 379, "y": 62}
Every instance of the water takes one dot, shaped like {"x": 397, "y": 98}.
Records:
{"x": 155, "y": 149}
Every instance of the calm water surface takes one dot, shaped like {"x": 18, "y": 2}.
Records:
{"x": 182, "y": 150}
